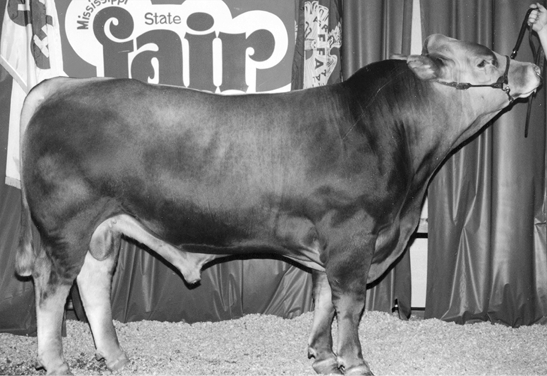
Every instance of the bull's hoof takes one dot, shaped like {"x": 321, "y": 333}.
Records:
{"x": 118, "y": 364}
{"x": 362, "y": 370}
{"x": 62, "y": 369}
{"x": 327, "y": 366}
{"x": 114, "y": 364}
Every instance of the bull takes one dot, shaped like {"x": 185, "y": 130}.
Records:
{"x": 330, "y": 177}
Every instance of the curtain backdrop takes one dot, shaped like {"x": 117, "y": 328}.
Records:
{"x": 17, "y": 312}
{"x": 487, "y": 235}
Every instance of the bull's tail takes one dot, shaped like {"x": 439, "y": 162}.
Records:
{"x": 24, "y": 263}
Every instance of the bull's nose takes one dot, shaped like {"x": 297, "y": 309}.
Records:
{"x": 537, "y": 70}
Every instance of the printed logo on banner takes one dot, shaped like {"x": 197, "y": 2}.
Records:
{"x": 319, "y": 41}
{"x": 196, "y": 44}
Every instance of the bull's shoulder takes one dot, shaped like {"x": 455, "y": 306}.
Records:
{"x": 387, "y": 80}
{"x": 378, "y": 72}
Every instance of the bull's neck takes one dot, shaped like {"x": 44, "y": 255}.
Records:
{"x": 449, "y": 119}
{"x": 423, "y": 120}
{"x": 467, "y": 116}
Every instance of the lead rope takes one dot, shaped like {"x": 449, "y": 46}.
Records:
{"x": 539, "y": 59}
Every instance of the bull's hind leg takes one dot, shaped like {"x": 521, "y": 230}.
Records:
{"x": 51, "y": 292}
{"x": 320, "y": 341}
{"x": 94, "y": 283}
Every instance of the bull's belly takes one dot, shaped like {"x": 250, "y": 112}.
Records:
{"x": 217, "y": 235}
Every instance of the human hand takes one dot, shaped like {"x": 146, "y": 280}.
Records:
{"x": 538, "y": 18}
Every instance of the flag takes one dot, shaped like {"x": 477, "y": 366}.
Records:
{"x": 30, "y": 50}
{"x": 318, "y": 42}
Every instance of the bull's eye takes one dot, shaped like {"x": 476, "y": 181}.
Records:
{"x": 482, "y": 64}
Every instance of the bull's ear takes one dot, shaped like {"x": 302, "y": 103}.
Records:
{"x": 425, "y": 67}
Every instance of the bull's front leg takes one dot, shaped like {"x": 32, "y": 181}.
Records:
{"x": 347, "y": 272}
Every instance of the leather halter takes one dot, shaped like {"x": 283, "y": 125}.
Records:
{"x": 502, "y": 83}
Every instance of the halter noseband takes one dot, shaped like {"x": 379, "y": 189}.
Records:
{"x": 502, "y": 83}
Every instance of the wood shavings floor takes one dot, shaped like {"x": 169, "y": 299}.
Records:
{"x": 269, "y": 345}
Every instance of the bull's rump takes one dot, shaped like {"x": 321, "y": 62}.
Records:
{"x": 194, "y": 168}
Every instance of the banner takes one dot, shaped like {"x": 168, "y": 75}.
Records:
{"x": 30, "y": 50}
{"x": 204, "y": 45}
{"x": 318, "y": 43}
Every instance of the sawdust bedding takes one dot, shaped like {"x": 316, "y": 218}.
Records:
{"x": 269, "y": 345}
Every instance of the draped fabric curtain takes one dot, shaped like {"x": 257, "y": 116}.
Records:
{"x": 373, "y": 30}
{"x": 17, "y": 312}
{"x": 487, "y": 232}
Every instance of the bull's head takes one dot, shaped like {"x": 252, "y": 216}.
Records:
{"x": 465, "y": 65}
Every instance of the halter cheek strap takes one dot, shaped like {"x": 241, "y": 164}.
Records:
{"x": 502, "y": 83}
